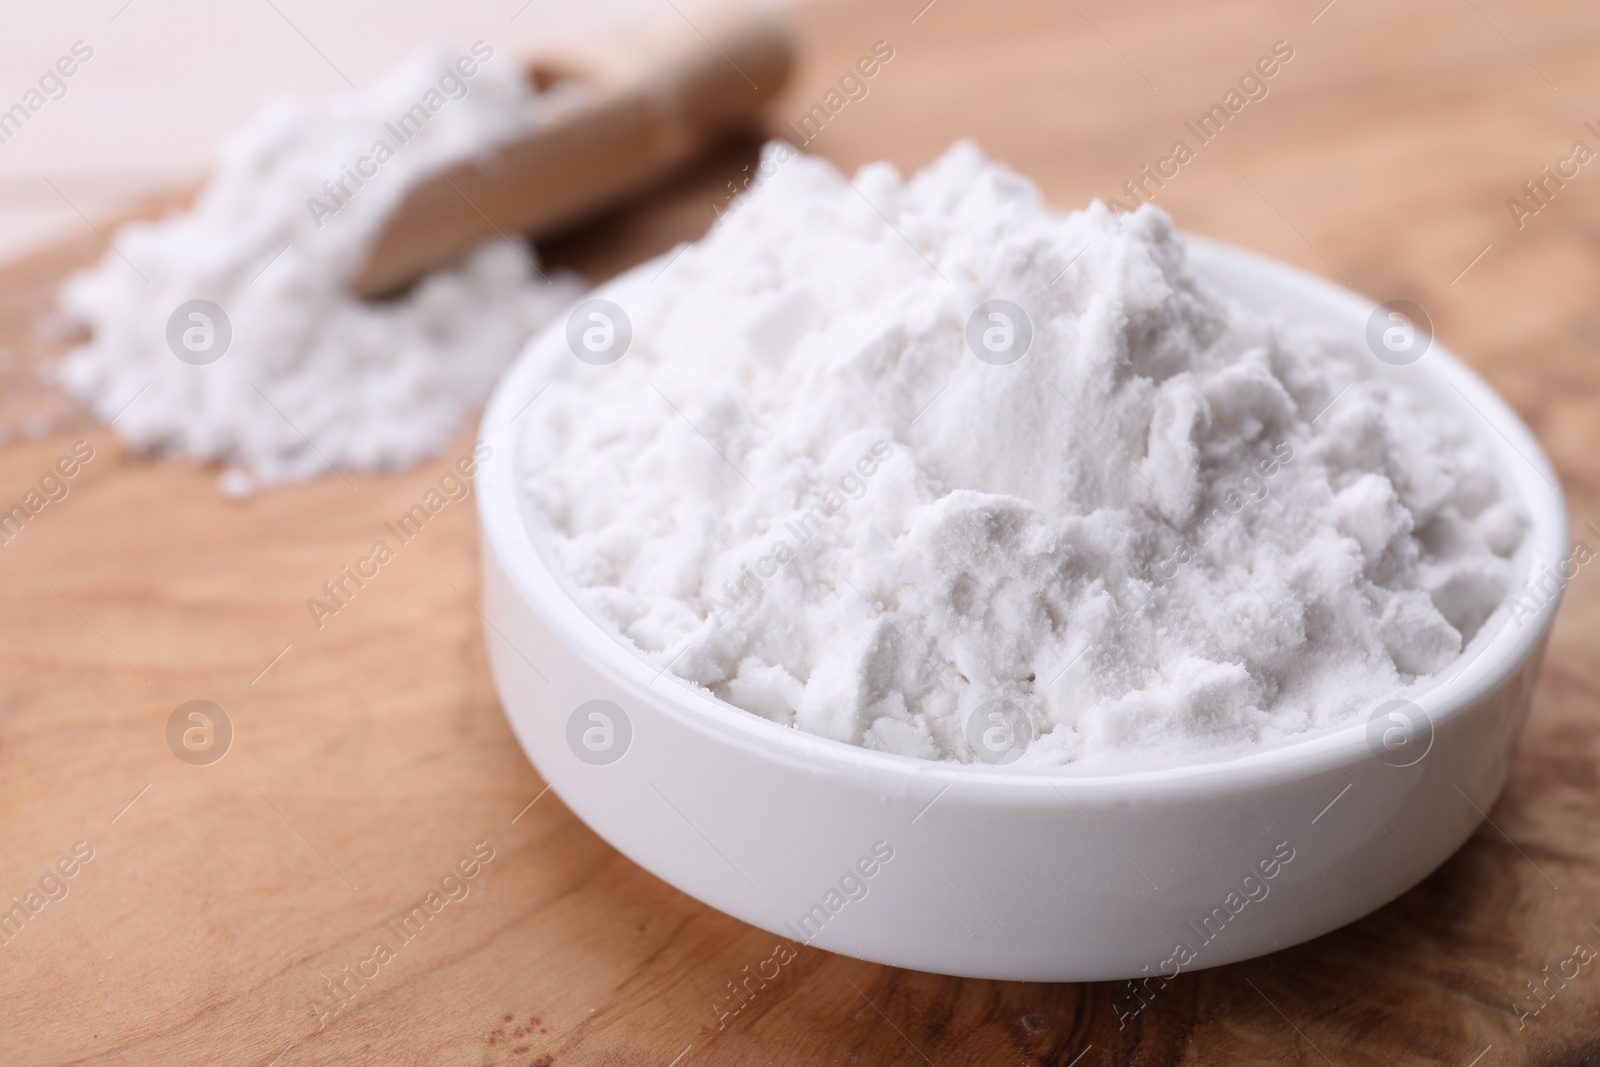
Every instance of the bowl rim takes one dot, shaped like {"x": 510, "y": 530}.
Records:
{"x": 1490, "y": 659}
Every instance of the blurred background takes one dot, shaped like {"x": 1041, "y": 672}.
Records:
{"x": 168, "y": 79}
{"x": 1442, "y": 109}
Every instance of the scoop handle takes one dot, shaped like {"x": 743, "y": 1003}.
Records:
{"x": 609, "y": 134}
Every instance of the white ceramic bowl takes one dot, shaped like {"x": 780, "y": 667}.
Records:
{"x": 990, "y": 872}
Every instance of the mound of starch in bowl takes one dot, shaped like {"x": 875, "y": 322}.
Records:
{"x": 834, "y": 484}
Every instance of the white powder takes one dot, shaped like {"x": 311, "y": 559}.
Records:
{"x": 313, "y": 376}
{"x": 1045, "y": 533}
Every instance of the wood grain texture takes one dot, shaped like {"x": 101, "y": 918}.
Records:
{"x": 372, "y": 755}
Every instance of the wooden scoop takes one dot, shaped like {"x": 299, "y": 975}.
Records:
{"x": 618, "y": 123}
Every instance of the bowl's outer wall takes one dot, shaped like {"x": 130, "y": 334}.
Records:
{"x": 1053, "y": 890}
{"x": 1032, "y": 883}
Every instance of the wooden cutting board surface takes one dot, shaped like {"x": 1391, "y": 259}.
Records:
{"x": 371, "y": 758}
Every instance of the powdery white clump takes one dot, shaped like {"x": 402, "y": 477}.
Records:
{"x": 315, "y": 376}
{"x": 802, "y": 490}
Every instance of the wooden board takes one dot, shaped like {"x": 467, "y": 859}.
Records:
{"x": 371, "y": 756}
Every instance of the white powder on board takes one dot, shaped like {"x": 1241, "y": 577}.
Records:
{"x": 314, "y": 377}
{"x": 1172, "y": 525}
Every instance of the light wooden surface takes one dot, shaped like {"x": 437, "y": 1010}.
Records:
{"x": 372, "y": 756}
